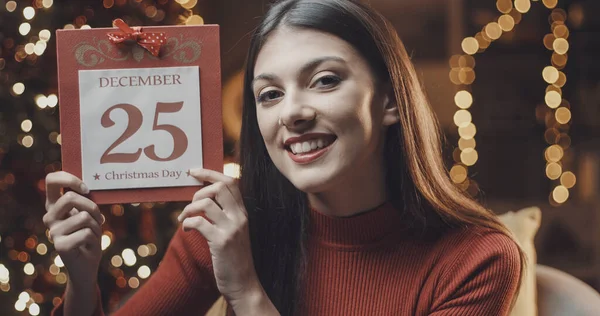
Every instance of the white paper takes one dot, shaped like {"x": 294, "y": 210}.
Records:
{"x": 141, "y": 88}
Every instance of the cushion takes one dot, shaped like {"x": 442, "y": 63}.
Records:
{"x": 524, "y": 224}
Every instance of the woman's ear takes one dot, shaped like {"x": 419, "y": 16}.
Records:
{"x": 391, "y": 115}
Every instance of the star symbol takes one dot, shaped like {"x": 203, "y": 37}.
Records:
{"x": 96, "y": 177}
{"x": 188, "y": 173}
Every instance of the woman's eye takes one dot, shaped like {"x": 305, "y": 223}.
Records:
{"x": 328, "y": 81}
{"x": 269, "y": 96}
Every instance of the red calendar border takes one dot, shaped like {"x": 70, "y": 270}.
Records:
{"x": 210, "y": 98}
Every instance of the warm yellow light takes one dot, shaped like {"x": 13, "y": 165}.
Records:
{"x": 18, "y": 88}
{"x": 153, "y": 249}
{"x": 27, "y": 141}
{"x": 129, "y": 257}
{"x": 493, "y": 30}
{"x": 28, "y": 13}
{"x": 232, "y": 170}
{"x": 52, "y": 100}
{"x": 58, "y": 262}
{"x": 562, "y": 115}
{"x": 560, "y": 194}
{"x": 4, "y": 287}
{"x": 463, "y": 99}
{"x": 550, "y": 4}
{"x": 34, "y": 309}
{"x": 516, "y": 15}
{"x": 59, "y": 139}
{"x": 20, "y": 305}
{"x": 41, "y": 101}
{"x": 53, "y": 269}
{"x": 42, "y": 249}
{"x": 116, "y": 261}
{"x": 85, "y": 27}
{"x": 469, "y": 156}
{"x": 24, "y": 28}
{"x": 458, "y": 174}
{"x": 194, "y": 20}
{"x": 554, "y": 153}
{"x": 550, "y": 74}
{"x": 562, "y": 79}
{"x": 553, "y": 170}
{"x": 143, "y": 272}
{"x": 143, "y": 251}
{"x": 466, "y": 143}
{"x": 568, "y": 179}
{"x": 11, "y": 6}
{"x": 29, "y": 47}
{"x": 44, "y": 35}
{"x": 134, "y": 282}
{"x": 189, "y": 4}
{"x": 522, "y": 6}
{"x": 47, "y": 3}
{"x": 61, "y": 278}
{"x": 29, "y": 269}
{"x": 504, "y": 6}
{"x": 483, "y": 41}
{"x": 466, "y": 75}
{"x": 549, "y": 41}
{"x": 462, "y": 118}
{"x": 553, "y": 99}
{"x": 4, "y": 274}
{"x": 560, "y": 46}
{"x": 69, "y": 27}
{"x": 561, "y": 31}
{"x": 39, "y": 48}
{"x": 506, "y": 22}
{"x": 467, "y": 132}
{"x": 26, "y": 126}
{"x": 470, "y": 45}
{"x": 24, "y": 296}
{"x": 105, "y": 242}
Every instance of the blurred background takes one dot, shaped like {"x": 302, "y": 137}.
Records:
{"x": 515, "y": 85}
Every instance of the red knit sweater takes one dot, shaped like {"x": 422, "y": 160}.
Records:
{"x": 361, "y": 265}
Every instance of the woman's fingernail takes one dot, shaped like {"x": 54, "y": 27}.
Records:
{"x": 84, "y": 188}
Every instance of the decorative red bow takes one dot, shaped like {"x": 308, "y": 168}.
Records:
{"x": 150, "y": 41}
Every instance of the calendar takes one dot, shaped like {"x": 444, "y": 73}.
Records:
{"x": 136, "y": 118}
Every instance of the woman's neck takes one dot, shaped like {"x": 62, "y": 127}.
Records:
{"x": 356, "y": 193}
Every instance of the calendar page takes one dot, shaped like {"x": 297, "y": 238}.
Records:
{"x": 140, "y": 127}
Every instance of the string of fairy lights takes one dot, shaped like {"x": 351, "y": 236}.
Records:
{"x": 28, "y": 52}
{"x": 555, "y": 112}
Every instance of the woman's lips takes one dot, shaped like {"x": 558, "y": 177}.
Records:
{"x": 308, "y": 157}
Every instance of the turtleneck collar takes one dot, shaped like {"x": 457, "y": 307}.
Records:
{"x": 362, "y": 229}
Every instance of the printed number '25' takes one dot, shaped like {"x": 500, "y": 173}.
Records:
{"x": 135, "y": 118}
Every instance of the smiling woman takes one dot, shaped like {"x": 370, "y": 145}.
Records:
{"x": 344, "y": 206}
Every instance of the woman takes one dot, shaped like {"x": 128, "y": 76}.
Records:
{"x": 344, "y": 206}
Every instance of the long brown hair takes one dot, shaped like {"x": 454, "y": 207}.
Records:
{"x": 417, "y": 179}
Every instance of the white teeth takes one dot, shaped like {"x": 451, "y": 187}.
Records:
{"x": 304, "y": 147}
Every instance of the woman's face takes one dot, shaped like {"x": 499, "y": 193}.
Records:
{"x": 320, "y": 112}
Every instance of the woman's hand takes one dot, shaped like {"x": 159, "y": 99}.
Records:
{"x": 74, "y": 223}
{"x": 217, "y": 211}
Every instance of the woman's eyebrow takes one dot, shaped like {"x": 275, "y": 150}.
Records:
{"x": 307, "y": 67}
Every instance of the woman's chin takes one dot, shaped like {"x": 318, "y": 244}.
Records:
{"x": 311, "y": 183}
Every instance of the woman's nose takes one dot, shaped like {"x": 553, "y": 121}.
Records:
{"x": 296, "y": 112}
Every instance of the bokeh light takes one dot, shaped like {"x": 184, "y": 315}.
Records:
{"x": 463, "y": 99}
{"x": 560, "y": 194}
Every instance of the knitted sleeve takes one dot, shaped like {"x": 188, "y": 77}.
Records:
{"x": 183, "y": 284}
{"x": 481, "y": 279}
